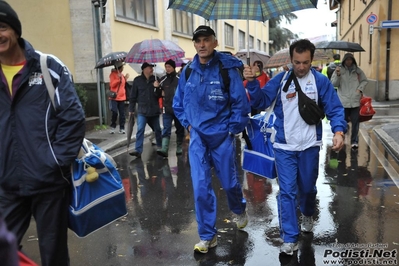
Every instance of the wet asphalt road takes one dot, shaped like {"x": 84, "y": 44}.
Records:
{"x": 357, "y": 210}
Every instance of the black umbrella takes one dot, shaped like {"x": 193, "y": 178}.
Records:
{"x": 340, "y": 45}
{"x": 110, "y": 59}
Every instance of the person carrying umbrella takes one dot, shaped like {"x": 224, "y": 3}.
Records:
{"x": 146, "y": 96}
{"x": 213, "y": 115}
{"x": 297, "y": 144}
{"x": 350, "y": 81}
{"x": 117, "y": 84}
{"x": 168, "y": 85}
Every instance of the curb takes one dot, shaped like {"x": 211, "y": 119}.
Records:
{"x": 388, "y": 142}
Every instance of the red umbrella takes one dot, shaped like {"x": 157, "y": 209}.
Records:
{"x": 154, "y": 51}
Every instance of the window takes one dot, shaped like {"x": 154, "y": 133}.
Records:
{"x": 228, "y": 35}
{"x": 251, "y": 42}
{"x": 241, "y": 40}
{"x": 136, "y": 10}
{"x": 259, "y": 45}
{"x": 183, "y": 22}
{"x": 264, "y": 47}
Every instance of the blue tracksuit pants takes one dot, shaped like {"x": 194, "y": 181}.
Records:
{"x": 223, "y": 159}
{"x": 297, "y": 173}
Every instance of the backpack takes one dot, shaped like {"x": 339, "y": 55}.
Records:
{"x": 330, "y": 70}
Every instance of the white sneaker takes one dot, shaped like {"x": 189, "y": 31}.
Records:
{"x": 289, "y": 248}
{"x": 242, "y": 220}
{"x": 122, "y": 131}
{"x": 307, "y": 224}
{"x": 112, "y": 130}
{"x": 204, "y": 245}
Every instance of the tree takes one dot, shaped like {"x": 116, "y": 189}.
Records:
{"x": 280, "y": 36}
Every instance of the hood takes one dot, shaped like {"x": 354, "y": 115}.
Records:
{"x": 349, "y": 55}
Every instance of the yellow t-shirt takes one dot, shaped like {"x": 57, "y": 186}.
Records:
{"x": 10, "y": 72}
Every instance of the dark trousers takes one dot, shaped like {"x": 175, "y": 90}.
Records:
{"x": 167, "y": 127}
{"x": 50, "y": 211}
{"x": 118, "y": 107}
{"x": 352, "y": 115}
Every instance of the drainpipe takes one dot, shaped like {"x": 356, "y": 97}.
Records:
{"x": 388, "y": 53}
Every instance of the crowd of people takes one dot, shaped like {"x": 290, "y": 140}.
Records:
{"x": 199, "y": 100}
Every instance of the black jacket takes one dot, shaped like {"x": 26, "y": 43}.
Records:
{"x": 169, "y": 86}
{"x": 146, "y": 96}
{"x": 38, "y": 144}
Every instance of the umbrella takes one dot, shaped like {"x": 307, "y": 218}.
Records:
{"x": 110, "y": 59}
{"x": 154, "y": 51}
{"x": 282, "y": 58}
{"x": 129, "y": 131}
{"x": 340, "y": 45}
{"x": 254, "y": 55}
{"x": 259, "y": 10}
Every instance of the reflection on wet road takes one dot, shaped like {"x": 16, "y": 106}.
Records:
{"x": 357, "y": 204}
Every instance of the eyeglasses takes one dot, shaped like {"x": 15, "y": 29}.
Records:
{"x": 4, "y": 27}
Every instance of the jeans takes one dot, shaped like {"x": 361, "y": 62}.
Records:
{"x": 153, "y": 122}
{"x": 117, "y": 107}
{"x": 167, "y": 127}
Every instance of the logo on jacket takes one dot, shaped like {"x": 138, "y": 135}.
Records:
{"x": 36, "y": 79}
{"x": 216, "y": 95}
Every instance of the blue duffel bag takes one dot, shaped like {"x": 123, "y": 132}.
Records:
{"x": 95, "y": 203}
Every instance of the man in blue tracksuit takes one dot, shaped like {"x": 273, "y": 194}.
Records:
{"x": 213, "y": 115}
{"x": 297, "y": 144}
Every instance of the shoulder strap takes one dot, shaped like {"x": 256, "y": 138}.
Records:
{"x": 225, "y": 76}
{"x": 47, "y": 78}
{"x": 187, "y": 70}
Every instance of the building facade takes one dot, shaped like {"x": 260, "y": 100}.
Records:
{"x": 79, "y": 33}
{"x": 381, "y": 55}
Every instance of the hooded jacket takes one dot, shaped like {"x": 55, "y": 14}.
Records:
{"x": 292, "y": 132}
{"x": 38, "y": 143}
{"x": 349, "y": 82}
{"x": 203, "y": 102}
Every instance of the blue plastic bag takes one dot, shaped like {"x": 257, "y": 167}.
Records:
{"x": 98, "y": 203}
{"x": 260, "y": 160}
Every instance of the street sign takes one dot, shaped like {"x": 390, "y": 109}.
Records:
{"x": 387, "y": 24}
{"x": 371, "y": 29}
{"x": 372, "y": 18}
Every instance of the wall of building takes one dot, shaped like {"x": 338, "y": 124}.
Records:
{"x": 353, "y": 27}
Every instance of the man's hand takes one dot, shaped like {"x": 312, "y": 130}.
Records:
{"x": 127, "y": 76}
{"x": 249, "y": 73}
{"x": 338, "y": 71}
{"x": 156, "y": 84}
{"x": 338, "y": 142}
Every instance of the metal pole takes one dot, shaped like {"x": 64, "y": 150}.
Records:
{"x": 97, "y": 58}
{"x": 377, "y": 97}
{"x": 248, "y": 59}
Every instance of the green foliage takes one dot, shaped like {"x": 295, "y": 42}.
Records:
{"x": 281, "y": 36}
{"x": 82, "y": 94}
{"x": 100, "y": 127}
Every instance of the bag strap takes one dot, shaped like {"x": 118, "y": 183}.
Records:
{"x": 47, "y": 78}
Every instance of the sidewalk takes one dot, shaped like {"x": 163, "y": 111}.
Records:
{"x": 388, "y": 133}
